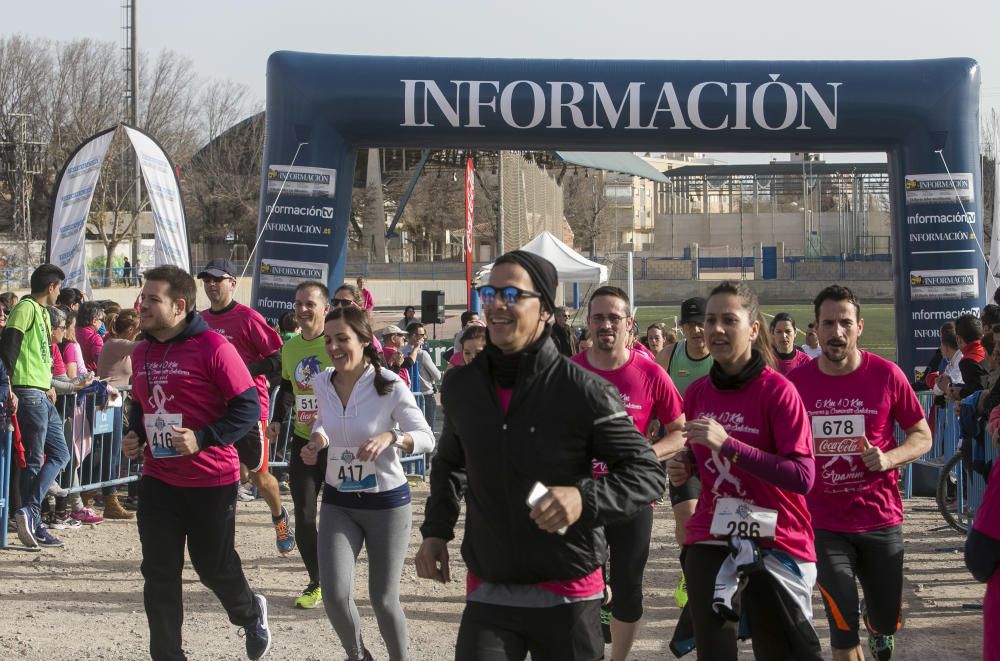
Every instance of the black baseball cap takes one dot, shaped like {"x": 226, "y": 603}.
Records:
{"x": 693, "y": 310}
{"x": 220, "y": 267}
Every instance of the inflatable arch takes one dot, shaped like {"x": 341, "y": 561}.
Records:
{"x": 924, "y": 113}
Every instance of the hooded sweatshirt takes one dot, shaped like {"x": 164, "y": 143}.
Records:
{"x": 198, "y": 381}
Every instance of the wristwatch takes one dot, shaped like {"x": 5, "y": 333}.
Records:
{"x": 398, "y": 438}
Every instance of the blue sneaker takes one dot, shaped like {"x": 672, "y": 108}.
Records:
{"x": 285, "y": 534}
{"x": 25, "y": 527}
{"x": 258, "y": 635}
{"x": 45, "y": 538}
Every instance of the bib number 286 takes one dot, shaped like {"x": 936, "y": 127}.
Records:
{"x": 739, "y": 518}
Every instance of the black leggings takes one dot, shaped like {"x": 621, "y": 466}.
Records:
{"x": 875, "y": 558}
{"x": 715, "y": 637}
{"x": 629, "y": 546}
{"x": 305, "y": 483}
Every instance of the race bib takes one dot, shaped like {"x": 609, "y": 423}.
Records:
{"x": 305, "y": 408}
{"x": 349, "y": 474}
{"x": 739, "y": 518}
{"x": 838, "y": 434}
{"x": 160, "y": 433}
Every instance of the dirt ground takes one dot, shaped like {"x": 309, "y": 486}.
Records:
{"x": 85, "y": 601}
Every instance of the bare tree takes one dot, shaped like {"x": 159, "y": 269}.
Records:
{"x": 990, "y": 133}
{"x": 584, "y": 204}
{"x": 222, "y": 180}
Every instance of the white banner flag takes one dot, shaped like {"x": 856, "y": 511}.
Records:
{"x": 169, "y": 226}
{"x": 993, "y": 269}
{"x": 74, "y": 194}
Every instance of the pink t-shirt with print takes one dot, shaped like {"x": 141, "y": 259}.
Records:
{"x": 867, "y": 403}
{"x": 194, "y": 377}
{"x": 767, "y": 414}
{"x": 646, "y": 390}
{"x": 253, "y": 339}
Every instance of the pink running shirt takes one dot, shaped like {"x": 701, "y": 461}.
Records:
{"x": 798, "y": 359}
{"x": 253, "y": 338}
{"x": 846, "y": 496}
{"x": 767, "y": 414}
{"x": 646, "y": 390}
{"x": 195, "y": 377}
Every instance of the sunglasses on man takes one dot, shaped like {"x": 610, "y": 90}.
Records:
{"x": 509, "y": 295}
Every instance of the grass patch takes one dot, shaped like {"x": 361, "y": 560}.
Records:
{"x": 879, "y": 335}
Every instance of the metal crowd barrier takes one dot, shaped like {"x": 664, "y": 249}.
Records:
{"x": 94, "y": 439}
{"x": 970, "y": 485}
{"x": 6, "y": 461}
{"x": 414, "y": 464}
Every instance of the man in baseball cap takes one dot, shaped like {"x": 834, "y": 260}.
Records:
{"x": 685, "y": 362}
{"x": 220, "y": 267}
{"x": 260, "y": 348}
{"x": 693, "y": 311}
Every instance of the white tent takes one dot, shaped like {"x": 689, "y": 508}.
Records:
{"x": 571, "y": 265}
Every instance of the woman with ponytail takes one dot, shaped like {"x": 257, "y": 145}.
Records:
{"x": 366, "y": 418}
{"x": 749, "y": 435}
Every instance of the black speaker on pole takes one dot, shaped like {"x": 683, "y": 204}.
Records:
{"x": 431, "y": 307}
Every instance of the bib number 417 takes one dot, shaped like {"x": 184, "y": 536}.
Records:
{"x": 350, "y": 473}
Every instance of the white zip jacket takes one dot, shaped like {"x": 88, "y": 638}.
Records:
{"x": 367, "y": 414}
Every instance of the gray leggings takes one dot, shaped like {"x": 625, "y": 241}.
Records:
{"x": 386, "y": 536}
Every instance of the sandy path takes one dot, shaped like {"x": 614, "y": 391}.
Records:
{"x": 85, "y": 601}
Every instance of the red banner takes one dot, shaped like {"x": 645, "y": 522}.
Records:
{"x": 470, "y": 208}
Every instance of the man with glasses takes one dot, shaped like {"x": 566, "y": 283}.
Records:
{"x": 521, "y": 426}
{"x": 648, "y": 395}
{"x": 260, "y": 348}
{"x": 424, "y": 374}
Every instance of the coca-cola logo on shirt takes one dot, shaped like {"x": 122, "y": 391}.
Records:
{"x": 828, "y": 447}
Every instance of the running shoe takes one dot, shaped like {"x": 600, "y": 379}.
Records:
{"x": 284, "y": 532}
{"x": 310, "y": 597}
{"x": 681, "y": 592}
{"x": 245, "y": 493}
{"x": 258, "y": 635}
{"x": 25, "y": 527}
{"x": 881, "y": 646}
{"x": 45, "y": 538}
{"x": 283, "y": 488}
{"x": 63, "y": 521}
{"x": 88, "y": 516}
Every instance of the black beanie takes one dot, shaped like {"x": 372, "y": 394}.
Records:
{"x": 543, "y": 274}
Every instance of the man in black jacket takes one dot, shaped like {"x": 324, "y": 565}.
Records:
{"x": 563, "y": 335}
{"x": 519, "y": 415}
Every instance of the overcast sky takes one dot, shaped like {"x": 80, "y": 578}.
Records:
{"x": 230, "y": 39}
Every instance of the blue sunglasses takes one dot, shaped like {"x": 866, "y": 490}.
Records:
{"x": 509, "y": 295}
